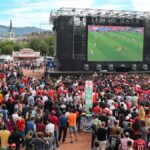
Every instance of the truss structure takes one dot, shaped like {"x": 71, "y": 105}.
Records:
{"x": 79, "y": 12}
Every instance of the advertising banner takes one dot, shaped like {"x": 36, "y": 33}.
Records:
{"x": 88, "y": 93}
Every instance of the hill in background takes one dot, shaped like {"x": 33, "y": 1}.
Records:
{"x": 19, "y": 31}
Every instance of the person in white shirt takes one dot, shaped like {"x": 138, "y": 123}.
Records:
{"x": 124, "y": 141}
{"x": 50, "y": 127}
{"x": 15, "y": 115}
{"x": 45, "y": 98}
{"x": 110, "y": 101}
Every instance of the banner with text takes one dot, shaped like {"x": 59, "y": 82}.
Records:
{"x": 88, "y": 93}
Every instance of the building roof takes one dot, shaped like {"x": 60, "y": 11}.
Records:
{"x": 26, "y": 53}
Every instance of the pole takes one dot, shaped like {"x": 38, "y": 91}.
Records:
{"x": 73, "y": 39}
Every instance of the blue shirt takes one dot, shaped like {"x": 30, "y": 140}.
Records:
{"x": 63, "y": 121}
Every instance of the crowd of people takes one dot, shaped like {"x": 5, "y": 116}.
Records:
{"x": 37, "y": 114}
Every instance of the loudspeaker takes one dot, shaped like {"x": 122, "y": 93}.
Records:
{"x": 86, "y": 67}
{"x": 145, "y": 67}
{"x": 111, "y": 67}
{"x": 134, "y": 67}
{"x": 98, "y": 67}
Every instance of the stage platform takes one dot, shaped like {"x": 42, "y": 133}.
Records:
{"x": 56, "y": 73}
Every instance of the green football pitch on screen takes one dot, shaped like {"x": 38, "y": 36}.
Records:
{"x": 115, "y": 43}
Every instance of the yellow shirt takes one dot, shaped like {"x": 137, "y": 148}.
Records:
{"x": 142, "y": 113}
{"x": 4, "y": 135}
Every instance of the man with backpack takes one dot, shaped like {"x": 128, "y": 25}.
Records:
{"x": 96, "y": 124}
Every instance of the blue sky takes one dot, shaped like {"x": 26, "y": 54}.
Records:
{"x": 36, "y": 12}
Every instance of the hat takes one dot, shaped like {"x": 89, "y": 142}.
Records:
{"x": 13, "y": 145}
{"x": 127, "y": 117}
{"x": 53, "y": 112}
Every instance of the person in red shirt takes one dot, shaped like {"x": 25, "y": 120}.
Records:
{"x": 40, "y": 126}
{"x": 96, "y": 109}
{"x": 50, "y": 93}
{"x": 54, "y": 120}
{"x": 20, "y": 123}
{"x": 139, "y": 144}
{"x": 95, "y": 97}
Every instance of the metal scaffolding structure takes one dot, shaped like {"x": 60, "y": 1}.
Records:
{"x": 101, "y": 13}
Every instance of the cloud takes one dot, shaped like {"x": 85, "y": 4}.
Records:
{"x": 74, "y": 3}
{"x": 36, "y": 12}
{"x": 141, "y": 5}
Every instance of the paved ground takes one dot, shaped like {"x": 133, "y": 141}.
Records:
{"x": 38, "y": 73}
{"x": 84, "y": 139}
{"x": 83, "y": 143}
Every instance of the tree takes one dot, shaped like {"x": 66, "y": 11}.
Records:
{"x": 17, "y": 46}
{"x": 50, "y": 42}
{"x": 43, "y": 47}
{"x": 1, "y": 52}
{"x": 34, "y": 44}
{"x": 8, "y": 49}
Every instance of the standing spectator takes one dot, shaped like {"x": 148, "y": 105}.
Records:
{"x": 95, "y": 125}
{"x": 143, "y": 131}
{"x": 39, "y": 142}
{"x": 139, "y": 144}
{"x": 114, "y": 142}
{"x": 72, "y": 125}
{"x": 40, "y": 126}
{"x": 129, "y": 130}
{"x": 10, "y": 124}
{"x": 102, "y": 136}
{"x": 116, "y": 128}
{"x": 29, "y": 141}
{"x": 17, "y": 138}
{"x": 4, "y": 135}
{"x": 54, "y": 120}
{"x": 50, "y": 127}
{"x": 48, "y": 105}
{"x": 12, "y": 146}
{"x": 63, "y": 126}
{"x": 124, "y": 141}
{"x": 20, "y": 123}
{"x": 31, "y": 126}
{"x": 129, "y": 145}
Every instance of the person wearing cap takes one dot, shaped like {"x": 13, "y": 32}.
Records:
{"x": 11, "y": 147}
{"x": 16, "y": 138}
{"x": 125, "y": 122}
{"x": 54, "y": 120}
{"x": 124, "y": 141}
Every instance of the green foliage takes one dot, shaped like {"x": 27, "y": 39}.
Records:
{"x": 34, "y": 44}
{"x": 17, "y": 46}
{"x": 1, "y": 51}
{"x": 45, "y": 45}
{"x": 8, "y": 49}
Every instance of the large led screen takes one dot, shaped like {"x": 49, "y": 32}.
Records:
{"x": 115, "y": 43}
